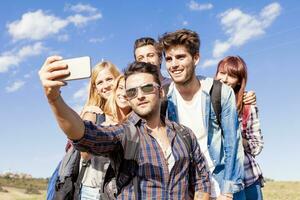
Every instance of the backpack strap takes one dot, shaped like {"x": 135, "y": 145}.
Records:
{"x": 100, "y": 118}
{"x": 131, "y": 146}
{"x": 77, "y": 184}
{"x": 164, "y": 102}
{"x": 215, "y": 94}
{"x": 184, "y": 134}
{"x": 124, "y": 162}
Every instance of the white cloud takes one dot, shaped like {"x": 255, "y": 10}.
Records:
{"x": 31, "y": 50}
{"x": 220, "y": 48}
{"x": 14, "y": 86}
{"x": 241, "y": 27}
{"x": 185, "y": 23}
{"x": 210, "y": 62}
{"x": 35, "y": 26}
{"x": 193, "y": 5}
{"x": 81, "y": 20}
{"x": 96, "y": 40}
{"x": 63, "y": 38}
{"x": 82, "y": 8}
{"x": 81, "y": 94}
{"x": 39, "y": 25}
{"x": 14, "y": 58}
{"x": 8, "y": 61}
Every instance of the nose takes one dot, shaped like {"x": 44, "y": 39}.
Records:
{"x": 224, "y": 78}
{"x": 146, "y": 60}
{"x": 106, "y": 85}
{"x": 174, "y": 63}
{"x": 140, "y": 95}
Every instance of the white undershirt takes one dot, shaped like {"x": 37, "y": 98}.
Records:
{"x": 190, "y": 115}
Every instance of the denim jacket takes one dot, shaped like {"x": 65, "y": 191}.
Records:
{"x": 226, "y": 151}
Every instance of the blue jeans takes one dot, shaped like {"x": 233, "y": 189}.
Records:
{"x": 239, "y": 195}
{"x": 89, "y": 193}
{"x": 253, "y": 192}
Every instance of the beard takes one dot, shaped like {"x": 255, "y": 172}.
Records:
{"x": 186, "y": 81}
{"x": 148, "y": 112}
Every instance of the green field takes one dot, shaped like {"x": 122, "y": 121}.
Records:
{"x": 18, "y": 189}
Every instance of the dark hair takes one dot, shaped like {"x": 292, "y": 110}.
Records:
{"x": 144, "y": 41}
{"x": 189, "y": 39}
{"x": 142, "y": 67}
{"x": 235, "y": 66}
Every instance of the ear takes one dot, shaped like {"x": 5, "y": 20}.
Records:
{"x": 196, "y": 58}
{"x": 161, "y": 93}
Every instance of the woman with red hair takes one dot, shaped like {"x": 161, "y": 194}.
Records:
{"x": 232, "y": 71}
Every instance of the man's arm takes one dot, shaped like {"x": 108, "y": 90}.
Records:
{"x": 232, "y": 144}
{"x": 249, "y": 98}
{"x": 68, "y": 120}
{"x": 252, "y": 137}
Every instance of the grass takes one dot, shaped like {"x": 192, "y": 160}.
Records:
{"x": 282, "y": 190}
{"x": 17, "y": 189}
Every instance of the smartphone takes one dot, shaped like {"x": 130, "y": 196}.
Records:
{"x": 79, "y": 68}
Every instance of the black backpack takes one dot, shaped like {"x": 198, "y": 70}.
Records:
{"x": 66, "y": 184}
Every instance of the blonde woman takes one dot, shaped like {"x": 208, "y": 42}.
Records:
{"x": 101, "y": 84}
{"x": 101, "y": 88}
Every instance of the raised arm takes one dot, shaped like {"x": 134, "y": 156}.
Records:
{"x": 68, "y": 120}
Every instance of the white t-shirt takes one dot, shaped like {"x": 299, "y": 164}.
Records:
{"x": 190, "y": 115}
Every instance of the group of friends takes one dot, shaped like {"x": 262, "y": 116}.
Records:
{"x": 163, "y": 138}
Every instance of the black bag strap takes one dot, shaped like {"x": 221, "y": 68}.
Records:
{"x": 164, "y": 103}
{"x": 184, "y": 134}
{"x": 85, "y": 164}
{"x": 215, "y": 94}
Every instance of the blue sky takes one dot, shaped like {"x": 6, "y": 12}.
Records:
{"x": 265, "y": 33}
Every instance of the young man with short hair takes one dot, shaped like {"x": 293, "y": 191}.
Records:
{"x": 189, "y": 103}
{"x": 146, "y": 49}
{"x": 163, "y": 166}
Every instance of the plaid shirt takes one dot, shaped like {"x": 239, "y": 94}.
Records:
{"x": 155, "y": 180}
{"x": 251, "y": 133}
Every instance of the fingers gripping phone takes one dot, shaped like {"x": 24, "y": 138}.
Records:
{"x": 79, "y": 68}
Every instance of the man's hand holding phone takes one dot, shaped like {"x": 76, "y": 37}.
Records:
{"x": 56, "y": 71}
{"x": 50, "y": 73}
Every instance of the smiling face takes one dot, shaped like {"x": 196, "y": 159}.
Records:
{"x": 121, "y": 100}
{"x": 224, "y": 77}
{"x": 146, "y": 105}
{"x": 104, "y": 83}
{"x": 181, "y": 64}
{"x": 147, "y": 54}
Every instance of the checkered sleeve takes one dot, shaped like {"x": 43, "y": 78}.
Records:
{"x": 253, "y": 139}
{"x": 100, "y": 140}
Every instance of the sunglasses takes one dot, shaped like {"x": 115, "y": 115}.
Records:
{"x": 146, "y": 89}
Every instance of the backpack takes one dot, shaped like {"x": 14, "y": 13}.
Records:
{"x": 65, "y": 182}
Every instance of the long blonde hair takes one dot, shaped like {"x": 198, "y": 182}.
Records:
{"x": 111, "y": 107}
{"x": 94, "y": 99}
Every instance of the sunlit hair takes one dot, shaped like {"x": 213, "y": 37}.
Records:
{"x": 236, "y": 67}
{"x": 111, "y": 107}
{"x": 94, "y": 99}
{"x": 144, "y": 41}
{"x": 187, "y": 38}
